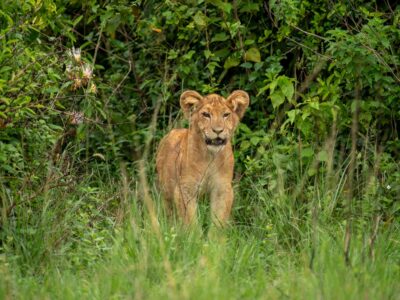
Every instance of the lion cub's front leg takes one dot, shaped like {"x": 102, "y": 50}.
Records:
{"x": 185, "y": 197}
{"x": 221, "y": 202}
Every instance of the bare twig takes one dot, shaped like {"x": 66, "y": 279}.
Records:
{"x": 382, "y": 61}
{"x": 309, "y": 48}
{"x": 353, "y": 155}
{"x": 373, "y": 236}
{"x": 238, "y": 20}
{"x": 308, "y": 33}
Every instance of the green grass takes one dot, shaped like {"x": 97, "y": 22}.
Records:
{"x": 98, "y": 242}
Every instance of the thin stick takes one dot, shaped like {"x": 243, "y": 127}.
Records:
{"x": 353, "y": 154}
{"x": 373, "y": 236}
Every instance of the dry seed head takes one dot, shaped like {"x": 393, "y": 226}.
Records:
{"x": 76, "y": 117}
{"x": 69, "y": 71}
{"x": 93, "y": 88}
{"x": 77, "y": 83}
{"x": 87, "y": 71}
{"x": 76, "y": 54}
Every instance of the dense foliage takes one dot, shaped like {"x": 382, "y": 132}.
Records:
{"x": 87, "y": 89}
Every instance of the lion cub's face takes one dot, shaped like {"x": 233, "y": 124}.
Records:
{"x": 214, "y": 117}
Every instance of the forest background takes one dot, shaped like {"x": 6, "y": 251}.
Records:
{"x": 87, "y": 90}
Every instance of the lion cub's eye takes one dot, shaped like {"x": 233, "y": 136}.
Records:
{"x": 206, "y": 114}
{"x": 226, "y": 115}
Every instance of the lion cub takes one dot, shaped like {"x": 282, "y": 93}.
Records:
{"x": 200, "y": 159}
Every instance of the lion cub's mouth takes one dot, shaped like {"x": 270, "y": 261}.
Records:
{"x": 215, "y": 142}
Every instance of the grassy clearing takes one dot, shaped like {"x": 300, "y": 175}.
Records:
{"x": 79, "y": 246}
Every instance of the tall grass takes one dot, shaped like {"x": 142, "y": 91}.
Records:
{"x": 99, "y": 239}
{"x": 304, "y": 232}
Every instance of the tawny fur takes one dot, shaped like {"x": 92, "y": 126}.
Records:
{"x": 200, "y": 159}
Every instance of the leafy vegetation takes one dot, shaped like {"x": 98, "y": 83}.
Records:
{"x": 87, "y": 89}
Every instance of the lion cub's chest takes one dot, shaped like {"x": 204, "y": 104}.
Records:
{"x": 204, "y": 176}
{"x": 207, "y": 182}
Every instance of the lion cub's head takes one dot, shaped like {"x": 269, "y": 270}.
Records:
{"x": 214, "y": 117}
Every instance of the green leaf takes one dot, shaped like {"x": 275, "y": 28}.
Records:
{"x": 246, "y": 65}
{"x": 77, "y": 20}
{"x": 292, "y": 115}
{"x": 5, "y": 69}
{"x": 307, "y": 152}
{"x": 5, "y": 100}
{"x": 220, "y": 37}
{"x": 224, "y": 6}
{"x": 59, "y": 105}
{"x": 314, "y": 105}
{"x": 286, "y": 86}
{"x": 29, "y": 111}
{"x": 207, "y": 54}
{"x": 231, "y": 62}
{"x": 305, "y": 115}
{"x": 277, "y": 99}
{"x": 250, "y": 7}
{"x": 222, "y": 53}
{"x": 273, "y": 85}
{"x": 306, "y": 127}
{"x": 244, "y": 145}
{"x": 188, "y": 55}
{"x": 255, "y": 140}
{"x": 172, "y": 54}
{"x": 211, "y": 66}
{"x": 311, "y": 171}
{"x": 253, "y": 54}
{"x": 200, "y": 19}
{"x": 322, "y": 156}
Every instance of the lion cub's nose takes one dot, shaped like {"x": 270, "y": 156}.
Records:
{"x": 218, "y": 130}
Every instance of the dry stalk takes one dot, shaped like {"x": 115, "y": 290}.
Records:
{"x": 149, "y": 203}
{"x": 352, "y": 166}
{"x": 373, "y": 237}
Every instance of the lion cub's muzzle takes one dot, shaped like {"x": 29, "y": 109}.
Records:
{"x": 216, "y": 142}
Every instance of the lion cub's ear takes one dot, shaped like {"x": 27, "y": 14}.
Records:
{"x": 189, "y": 100}
{"x": 238, "y": 101}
